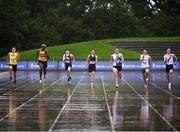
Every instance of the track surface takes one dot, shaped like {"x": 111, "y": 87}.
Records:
{"x": 56, "y": 105}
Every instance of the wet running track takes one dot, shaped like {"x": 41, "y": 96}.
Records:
{"x": 55, "y": 105}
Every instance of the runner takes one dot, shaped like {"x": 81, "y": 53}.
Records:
{"x": 42, "y": 57}
{"x": 13, "y": 58}
{"x": 145, "y": 60}
{"x": 170, "y": 60}
{"x": 91, "y": 61}
{"x": 68, "y": 58}
{"x": 117, "y": 59}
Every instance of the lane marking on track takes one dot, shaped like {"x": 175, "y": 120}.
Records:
{"x": 167, "y": 92}
{"x": 12, "y": 81}
{"x": 152, "y": 107}
{"x": 4, "y": 74}
{"x": 19, "y": 87}
{"x": 64, "y": 106}
{"x": 107, "y": 104}
{"x": 30, "y": 99}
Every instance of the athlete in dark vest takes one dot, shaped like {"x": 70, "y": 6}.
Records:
{"x": 68, "y": 58}
{"x": 91, "y": 61}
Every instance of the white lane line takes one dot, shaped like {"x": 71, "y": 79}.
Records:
{"x": 173, "y": 79}
{"x": 156, "y": 111}
{"x": 165, "y": 91}
{"x": 18, "y": 88}
{"x": 64, "y": 106}
{"x": 30, "y": 99}
{"x": 4, "y": 74}
{"x": 108, "y": 107}
{"x": 11, "y": 80}
{"x": 161, "y": 89}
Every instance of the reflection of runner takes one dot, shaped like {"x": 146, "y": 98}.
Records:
{"x": 117, "y": 59}
{"x": 169, "y": 59}
{"x": 145, "y": 60}
{"x": 144, "y": 115}
{"x": 42, "y": 112}
{"x": 91, "y": 61}
{"x": 67, "y": 115}
{"x": 168, "y": 108}
{"x": 68, "y": 58}
{"x": 117, "y": 111}
{"x": 13, "y": 58}
{"x": 13, "y": 104}
{"x": 91, "y": 106}
{"x": 42, "y": 56}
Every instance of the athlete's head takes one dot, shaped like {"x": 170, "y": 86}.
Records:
{"x": 43, "y": 46}
{"x": 116, "y": 50}
{"x": 145, "y": 52}
{"x": 168, "y": 51}
{"x": 13, "y": 49}
{"x": 67, "y": 51}
{"x": 92, "y": 51}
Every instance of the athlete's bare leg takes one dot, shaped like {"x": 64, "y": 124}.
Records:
{"x": 92, "y": 78}
{"x": 45, "y": 71}
{"x": 116, "y": 76}
{"x": 14, "y": 77}
{"x": 40, "y": 71}
{"x": 10, "y": 72}
{"x": 69, "y": 73}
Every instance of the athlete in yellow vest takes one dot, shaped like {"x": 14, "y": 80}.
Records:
{"x": 13, "y": 58}
{"x": 42, "y": 56}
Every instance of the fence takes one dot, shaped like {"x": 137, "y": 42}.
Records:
{"x": 81, "y": 65}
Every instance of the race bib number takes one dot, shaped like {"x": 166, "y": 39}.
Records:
{"x": 67, "y": 61}
{"x": 43, "y": 58}
{"x": 92, "y": 62}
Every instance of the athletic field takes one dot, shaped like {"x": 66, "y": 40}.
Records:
{"x": 57, "y": 105}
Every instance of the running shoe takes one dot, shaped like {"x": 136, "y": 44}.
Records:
{"x": 14, "y": 81}
{"x": 169, "y": 85}
{"x": 69, "y": 78}
{"x": 145, "y": 85}
{"x": 92, "y": 85}
{"x": 117, "y": 85}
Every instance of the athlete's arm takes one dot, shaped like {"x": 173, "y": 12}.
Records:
{"x": 141, "y": 58}
{"x": 111, "y": 59}
{"x": 175, "y": 58}
{"x": 87, "y": 60}
{"x": 8, "y": 58}
{"x": 122, "y": 59}
{"x": 18, "y": 56}
{"x": 73, "y": 59}
{"x": 37, "y": 54}
{"x": 150, "y": 59}
{"x": 47, "y": 55}
{"x": 64, "y": 57}
{"x": 96, "y": 59}
{"x": 165, "y": 60}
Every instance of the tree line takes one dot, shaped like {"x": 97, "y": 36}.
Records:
{"x": 27, "y": 23}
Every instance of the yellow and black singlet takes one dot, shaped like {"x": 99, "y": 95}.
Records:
{"x": 42, "y": 55}
{"x": 13, "y": 58}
